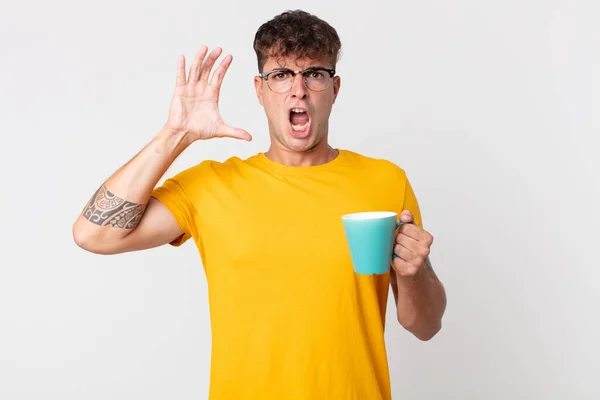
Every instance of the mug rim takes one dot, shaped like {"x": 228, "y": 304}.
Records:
{"x": 364, "y": 215}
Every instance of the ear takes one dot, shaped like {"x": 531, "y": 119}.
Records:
{"x": 337, "y": 82}
{"x": 258, "y": 86}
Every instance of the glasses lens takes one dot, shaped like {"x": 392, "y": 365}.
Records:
{"x": 280, "y": 81}
{"x": 317, "y": 80}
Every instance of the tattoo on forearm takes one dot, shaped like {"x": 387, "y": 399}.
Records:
{"x": 105, "y": 209}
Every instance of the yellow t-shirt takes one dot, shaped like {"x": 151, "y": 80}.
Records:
{"x": 290, "y": 319}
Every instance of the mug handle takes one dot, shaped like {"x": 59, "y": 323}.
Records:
{"x": 398, "y": 225}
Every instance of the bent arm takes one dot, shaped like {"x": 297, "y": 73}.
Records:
{"x": 420, "y": 302}
{"x": 121, "y": 216}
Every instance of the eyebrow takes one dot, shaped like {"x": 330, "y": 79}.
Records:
{"x": 307, "y": 68}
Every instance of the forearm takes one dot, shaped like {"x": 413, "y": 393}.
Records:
{"x": 135, "y": 180}
{"x": 118, "y": 205}
{"x": 421, "y": 302}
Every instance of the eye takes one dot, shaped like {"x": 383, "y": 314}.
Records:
{"x": 316, "y": 75}
{"x": 280, "y": 76}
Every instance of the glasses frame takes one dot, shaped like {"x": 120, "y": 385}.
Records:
{"x": 265, "y": 76}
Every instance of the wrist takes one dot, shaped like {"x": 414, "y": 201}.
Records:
{"x": 170, "y": 143}
{"x": 177, "y": 138}
{"x": 415, "y": 283}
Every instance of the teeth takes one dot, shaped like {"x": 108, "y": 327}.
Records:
{"x": 300, "y": 128}
{"x": 298, "y": 110}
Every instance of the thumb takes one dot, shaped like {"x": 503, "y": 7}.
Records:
{"x": 406, "y": 217}
{"x": 236, "y": 133}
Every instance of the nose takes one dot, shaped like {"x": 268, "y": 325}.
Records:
{"x": 298, "y": 87}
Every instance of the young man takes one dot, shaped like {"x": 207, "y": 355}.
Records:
{"x": 290, "y": 319}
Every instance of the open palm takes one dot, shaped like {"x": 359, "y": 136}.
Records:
{"x": 195, "y": 105}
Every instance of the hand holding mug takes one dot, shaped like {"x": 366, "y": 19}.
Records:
{"x": 411, "y": 246}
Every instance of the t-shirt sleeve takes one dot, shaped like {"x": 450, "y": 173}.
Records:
{"x": 411, "y": 204}
{"x": 173, "y": 196}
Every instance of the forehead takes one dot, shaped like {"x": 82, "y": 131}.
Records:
{"x": 293, "y": 62}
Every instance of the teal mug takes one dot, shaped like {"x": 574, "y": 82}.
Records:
{"x": 370, "y": 238}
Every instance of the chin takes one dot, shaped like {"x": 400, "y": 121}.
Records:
{"x": 301, "y": 145}
{"x": 295, "y": 144}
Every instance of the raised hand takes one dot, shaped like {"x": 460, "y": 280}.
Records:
{"x": 195, "y": 105}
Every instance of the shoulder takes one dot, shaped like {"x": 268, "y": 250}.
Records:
{"x": 378, "y": 166}
{"x": 208, "y": 170}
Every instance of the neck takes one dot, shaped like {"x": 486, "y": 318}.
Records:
{"x": 320, "y": 154}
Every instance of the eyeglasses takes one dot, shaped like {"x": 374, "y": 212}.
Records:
{"x": 282, "y": 79}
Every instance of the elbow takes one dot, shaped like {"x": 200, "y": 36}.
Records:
{"x": 428, "y": 334}
{"x": 425, "y": 332}
{"x": 79, "y": 236}
{"x": 84, "y": 240}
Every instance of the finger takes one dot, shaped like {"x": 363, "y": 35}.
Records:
{"x": 236, "y": 133}
{"x": 411, "y": 230}
{"x": 409, "y": 256}
{"x": 406, "y": 254}
{"x": 410, "y": 243}
{"x": 404, "y": 268}
{"x": 407, "y": 217}
{"x": 195, "y": 68}
{"x": 417, "y": 233}
{"x": 403, "y": 252}
{"x": 208, "y": 63}
{"x": 180, "y": 71}
{"x": 219, "y": 73}
{"x": 419, "y": 249}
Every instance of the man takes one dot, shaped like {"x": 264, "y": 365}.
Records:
{"x": 290, "y": 319}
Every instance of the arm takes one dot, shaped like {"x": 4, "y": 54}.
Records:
{"x": 420, "y": 296}
{"x": 420, "y": 302}
{"x": 121, "y": 216}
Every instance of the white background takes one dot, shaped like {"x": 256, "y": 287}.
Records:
{"x": 492, "y": 108}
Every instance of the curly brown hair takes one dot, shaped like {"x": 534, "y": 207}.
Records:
{"x": 296, "y": 33}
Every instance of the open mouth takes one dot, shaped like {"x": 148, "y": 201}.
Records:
{"x": 300, "y": 122}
